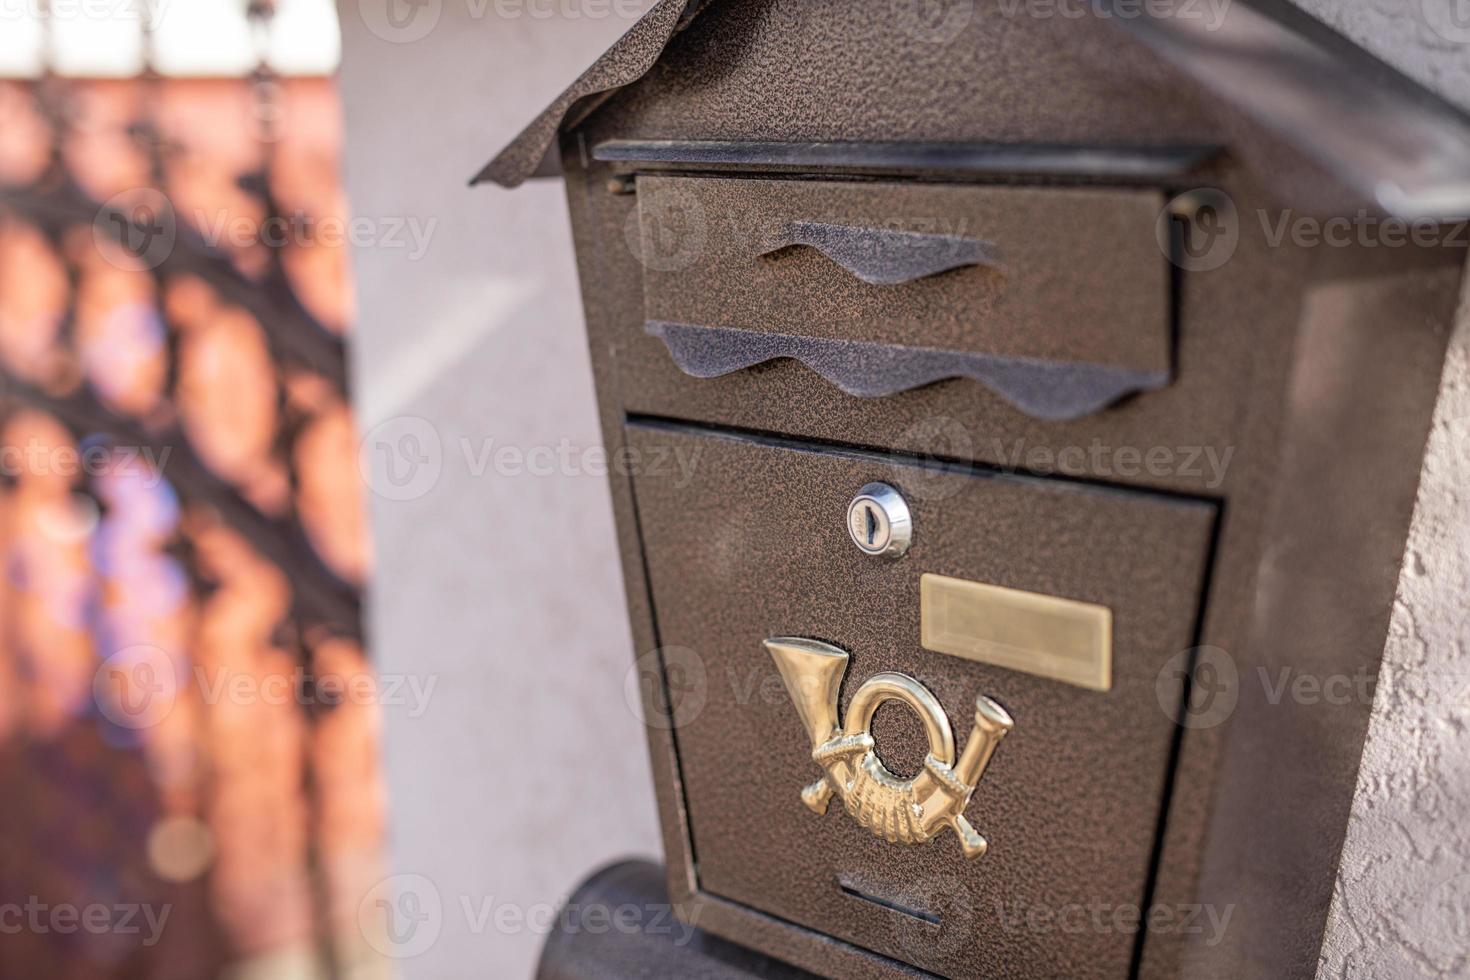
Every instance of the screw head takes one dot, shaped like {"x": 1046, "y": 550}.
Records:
{"x": 879, "y": 522}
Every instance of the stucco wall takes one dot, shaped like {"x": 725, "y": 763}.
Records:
{"x": 1402, "y": 904}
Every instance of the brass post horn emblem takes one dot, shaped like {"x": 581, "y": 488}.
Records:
{"x": 910, "y": 811}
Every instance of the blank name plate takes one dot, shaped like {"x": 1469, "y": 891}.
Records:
{"x": 1060, "y": 639}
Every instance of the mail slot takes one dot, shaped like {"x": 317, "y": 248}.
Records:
{"x": 1056, "y": 299}
{"x": 1070, "y": 803}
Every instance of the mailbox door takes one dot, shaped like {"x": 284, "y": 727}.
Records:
{"x": 1055, "y": 299}
{"x": 746, "y": 538}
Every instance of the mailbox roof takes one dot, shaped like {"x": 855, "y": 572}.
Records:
{"x": 533, "y": 152}
{"x": 1401, "y": 148}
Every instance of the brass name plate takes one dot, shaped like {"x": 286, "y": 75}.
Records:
{"x": 1059, "y": 639}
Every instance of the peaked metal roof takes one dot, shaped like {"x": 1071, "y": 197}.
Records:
{"x": 533, "y": 152}
{"x": 1398, "y": 145}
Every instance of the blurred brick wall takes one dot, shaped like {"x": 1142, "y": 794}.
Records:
{"x": 181, "y": 535}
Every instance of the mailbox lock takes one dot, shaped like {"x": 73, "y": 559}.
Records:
{"x": 878, "y": 521}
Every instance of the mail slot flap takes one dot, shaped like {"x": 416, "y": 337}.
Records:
{"x": 1056, "y": 298}
{"x": 749, "y": 540}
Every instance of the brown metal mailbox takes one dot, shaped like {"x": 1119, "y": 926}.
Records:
{"x": 1020, "y": 437}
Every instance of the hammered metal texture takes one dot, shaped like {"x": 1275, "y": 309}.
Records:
{"x": 755, "y": 545}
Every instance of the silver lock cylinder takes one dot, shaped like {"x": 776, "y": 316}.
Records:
{"x": 879, "y": 522}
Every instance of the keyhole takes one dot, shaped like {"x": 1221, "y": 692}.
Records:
{"x": 878, "y": 520}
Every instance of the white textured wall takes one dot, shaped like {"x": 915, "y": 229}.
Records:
{"x": 527, "y": 769}
{"x": 1402, "y": 905}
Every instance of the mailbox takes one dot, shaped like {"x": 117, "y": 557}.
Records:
{"x": 1007, "y": 394}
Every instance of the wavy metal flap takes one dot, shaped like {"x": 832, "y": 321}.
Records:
{"x": 885, "y": 257}
{"x": 1047, "y": 390}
